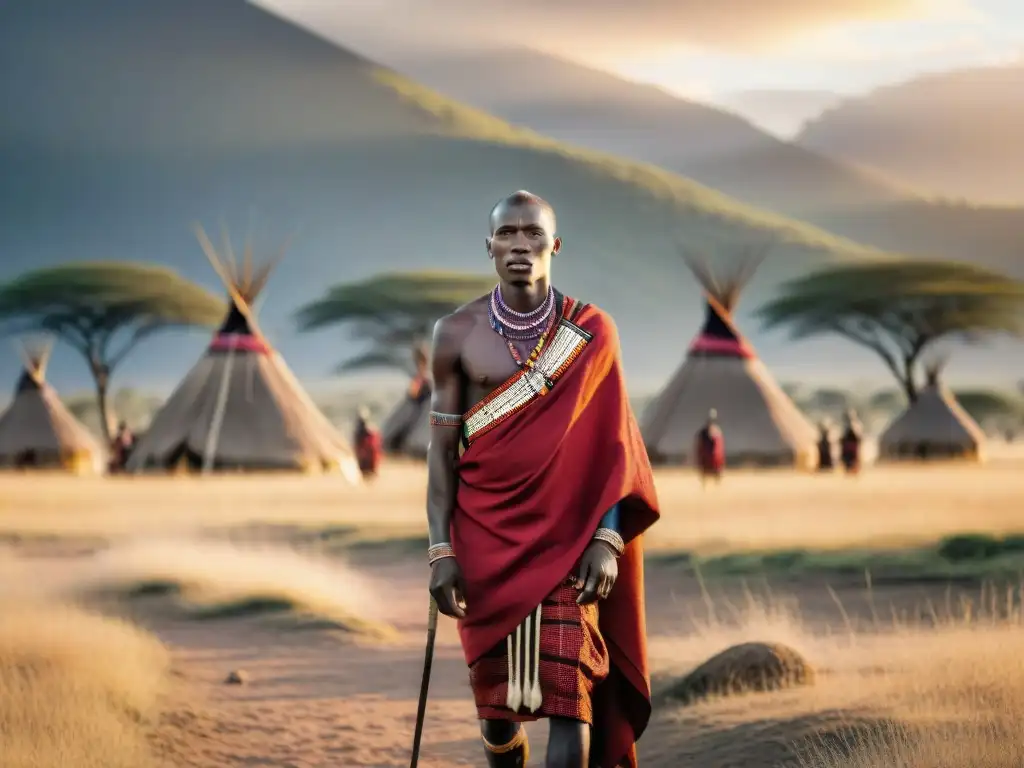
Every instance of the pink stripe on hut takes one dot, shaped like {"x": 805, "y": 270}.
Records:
{"x": 241, "y": 342}
{"x": 719, "y": 346}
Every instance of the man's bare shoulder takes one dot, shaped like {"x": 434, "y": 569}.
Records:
{"x": 453, "y": 328}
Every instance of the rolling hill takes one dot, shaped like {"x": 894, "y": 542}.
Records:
{"x": 959, "y": 134}
{"x": 135, "y": 120}
{"x": 717, "y": 148}
{"x": 587, "y": 107}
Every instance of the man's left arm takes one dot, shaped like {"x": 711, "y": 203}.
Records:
{"x": 599, "y": 567}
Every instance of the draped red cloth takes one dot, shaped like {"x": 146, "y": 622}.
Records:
{"x": 532, "y": 492}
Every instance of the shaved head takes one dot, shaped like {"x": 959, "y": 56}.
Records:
{"x": 518, "y": 200}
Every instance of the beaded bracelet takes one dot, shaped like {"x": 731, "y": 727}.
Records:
{"x": 612, "y": 538}
{"x": 438, "y": 419}
{"x": 439, "y": 552}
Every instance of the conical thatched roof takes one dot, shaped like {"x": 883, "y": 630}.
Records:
{"x": 37, "y": 430}
{"x": 241, "y": 407}
{"x": 935, "y": 426}
{"x": 759, "y": 422}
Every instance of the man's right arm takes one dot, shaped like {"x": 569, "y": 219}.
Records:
{"x": 445, "y": 429}
{"x": 442, "y": 479}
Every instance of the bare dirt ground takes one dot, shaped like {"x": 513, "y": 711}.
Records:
{"x": 925, "y": 669}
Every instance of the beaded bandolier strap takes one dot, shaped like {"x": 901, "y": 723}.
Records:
{"x": 535, "y": 379}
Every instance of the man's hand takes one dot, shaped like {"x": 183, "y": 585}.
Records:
{"x": 599, "y": 569}
{"x": 447, "y": 587}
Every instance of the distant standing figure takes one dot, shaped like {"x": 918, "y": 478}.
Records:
{"x": 419, "y": 387}
{"x": 403, "y": 430}
{"x": 122, "y": 446}
{"x": 825, "y": 460}
{"x": 709, "y": 449}
{"x": 850, "y": 443}
{"x": 368, "y": 445}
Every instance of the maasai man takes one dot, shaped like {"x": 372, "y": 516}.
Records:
{"x": 121, "y": 447}
{"x": 368, "y": 444}
{"x": 849, "y": 451}
{"x": 539, "y": 490}
{"x": 709, "y": 449}
{"x": 825, "y": 460}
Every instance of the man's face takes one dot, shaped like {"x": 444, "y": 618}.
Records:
{"x": 522, "y": 243}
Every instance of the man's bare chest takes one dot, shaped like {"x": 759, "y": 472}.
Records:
{"x": 487, "y": 363}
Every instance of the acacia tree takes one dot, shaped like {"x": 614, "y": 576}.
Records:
{"x": 103, "y": 310}
{"x": 898, "y": 308}
{"x": 391, "y": 312}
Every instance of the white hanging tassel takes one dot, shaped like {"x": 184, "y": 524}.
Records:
{"x": 534, "y": 698}
{"x": 527, "y": 679}
{"x": 514, "y": 700}
{"x": 524, "y": 664}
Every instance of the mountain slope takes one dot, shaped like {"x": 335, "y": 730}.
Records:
{"x": 780, "y": 111}
{"x": 135, "y": 120}
{"x": 959, "y": 134}
{"x": 574, "y": 103}
{"x": 579, "y": 105}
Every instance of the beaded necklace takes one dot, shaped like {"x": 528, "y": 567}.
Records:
{"x": 519, "y": 326}
{"x": 522, "y": 326}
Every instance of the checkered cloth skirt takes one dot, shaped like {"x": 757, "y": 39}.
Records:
{"x": 573, "y": 659}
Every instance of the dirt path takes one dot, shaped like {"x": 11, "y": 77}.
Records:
{"x": 313, "y": 699}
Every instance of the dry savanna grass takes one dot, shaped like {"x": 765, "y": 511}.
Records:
{"x": 885, "y": 507}
{"x": 957, "y": 702}
{"x": 949, "y": 698}
{"x": 946, "y": 693}
{"x": 76, "y": 689}
{"x": 215, "y": 579}
{"x": 211, "y": 579}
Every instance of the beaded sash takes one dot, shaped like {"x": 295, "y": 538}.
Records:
{"x": 529, "y": 383}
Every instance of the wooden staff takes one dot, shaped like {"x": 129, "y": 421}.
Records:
{"x": 428, "y": 662}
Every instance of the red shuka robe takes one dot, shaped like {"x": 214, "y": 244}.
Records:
{"x": 710, "y": 458}
{"x": 533, "y": 488}
{"x": 369, "y": 447}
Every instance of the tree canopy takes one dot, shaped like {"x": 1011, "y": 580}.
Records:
{"x": 898, "y": 308}
{"x": 104, "y": 309}
{"x": 392, "y": 312}
{"x": 887, "y": 400}
{"x": 986, "y": 405}
{"x": 130, "y": 404}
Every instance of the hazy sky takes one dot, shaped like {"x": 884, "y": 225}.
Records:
{"x": 709, "y": 49}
